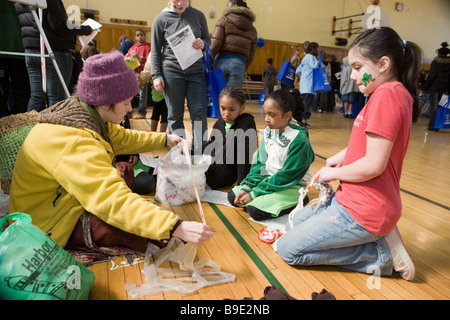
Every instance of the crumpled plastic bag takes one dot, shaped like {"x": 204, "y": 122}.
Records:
{"x": 174, "y": 185}
{"x": 4, "y": 204}
{"x": 191, "y": 276}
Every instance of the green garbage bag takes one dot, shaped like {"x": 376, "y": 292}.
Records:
{"x": 34, "y": 267}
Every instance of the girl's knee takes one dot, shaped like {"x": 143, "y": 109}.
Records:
{"x": 284, "y": 250}
{"x": 258, "y": 214}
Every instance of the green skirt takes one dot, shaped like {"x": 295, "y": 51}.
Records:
{"x": 274, "y": 202}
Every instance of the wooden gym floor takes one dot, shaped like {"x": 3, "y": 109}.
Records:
{"x": 425, "y": 227}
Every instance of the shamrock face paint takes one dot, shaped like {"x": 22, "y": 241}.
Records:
{"x": 365, "y": 72}
{"x": 367, "y": 78}
{"x": 178, "y": 6}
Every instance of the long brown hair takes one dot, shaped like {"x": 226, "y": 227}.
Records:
{"x": 406, "y": 57}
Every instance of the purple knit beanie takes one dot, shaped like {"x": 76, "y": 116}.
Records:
{"x": 106, "y": 79}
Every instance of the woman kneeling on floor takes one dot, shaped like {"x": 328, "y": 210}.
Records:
{"x": 65, "y": 178}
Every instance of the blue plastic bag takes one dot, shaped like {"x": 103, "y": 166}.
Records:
{"x": 215, "y": 82}
{"x": 442, "y": 120}
{"x": 34, "y": 267}
{"x": 287, "y": 72}
{"x": 321, "y": 83}
{"x": 262, "y": 97}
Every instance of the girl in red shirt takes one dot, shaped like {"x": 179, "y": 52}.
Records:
{"x": 356, "y": 227}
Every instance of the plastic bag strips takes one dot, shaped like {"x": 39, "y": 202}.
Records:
{"x": 190, "y": 276}
{"x": 175, "y": 185}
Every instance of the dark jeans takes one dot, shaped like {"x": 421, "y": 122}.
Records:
{"x": 308, "y": 101}
{"x": 434, "y": 98}
{"x": 55, "y": 90}
{"x": 189, "y": 87}
{"x": 14, "y": 86}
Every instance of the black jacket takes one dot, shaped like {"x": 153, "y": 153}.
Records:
{"x": 229, "y": 148}
{"x": 438, "y": 79}
{"x": 61, "y": 34}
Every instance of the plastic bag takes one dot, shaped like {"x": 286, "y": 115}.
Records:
{"x": 34, "y": 267}
{"x": 174, "y": 184}
{"x": 4, "y": 204}
{"x": 190, "y": 277}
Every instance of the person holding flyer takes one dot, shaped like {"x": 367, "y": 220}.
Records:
{"x": 180, "y": 23}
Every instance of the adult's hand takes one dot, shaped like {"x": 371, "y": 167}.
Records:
{"x": 193, "y": 232}
{"x": 198, "y": 44}
{"x": 173, "y": 140}
{"x": 159, "y": 85}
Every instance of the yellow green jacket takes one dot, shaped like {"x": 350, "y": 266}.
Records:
{"x": 62, "y": 170}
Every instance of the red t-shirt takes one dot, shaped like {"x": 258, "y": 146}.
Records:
{"x": 142, "y": 49}
{"x": 376, "y": 204}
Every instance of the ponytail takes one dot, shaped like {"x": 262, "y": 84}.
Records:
{"x": 289, "y": 101}
{"x": 406, "y": 58}
{"x": 300, "y": 108}
{"x": 408, "y": 74}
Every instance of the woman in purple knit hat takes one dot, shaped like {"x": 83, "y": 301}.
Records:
{"x": 65, "y": 178}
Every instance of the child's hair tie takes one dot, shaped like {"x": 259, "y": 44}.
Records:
{"x": 404, "y": 46}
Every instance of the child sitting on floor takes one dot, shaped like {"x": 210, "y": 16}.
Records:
{"x": 272, "y": 187}
{"x": 356, "y": 228}
{"x": 233, "y": 141}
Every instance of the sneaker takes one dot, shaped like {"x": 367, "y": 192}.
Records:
{"x": 400, "y": 257}
{"x": 138, "y": 116}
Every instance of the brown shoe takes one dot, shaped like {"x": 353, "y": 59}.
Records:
{"x": 138, "y": 116}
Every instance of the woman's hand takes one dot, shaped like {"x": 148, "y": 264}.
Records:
{"x": 159, "y": 85}
{"x": 193, "y": 232}
{"x": 173, "y": 140}
{"x": 198, "y": 44}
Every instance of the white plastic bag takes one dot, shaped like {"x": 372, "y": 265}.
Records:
{"x": 174, "y": 185}
{"x": 190, "y": 277}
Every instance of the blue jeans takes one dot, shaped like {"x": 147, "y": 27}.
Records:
{"x": 143, "y": 95}
{"x": 55, "y": 91}
{"x": 331, "y": 236}
{"x": 192, "y": 87}
{"x": 233, "y": 70}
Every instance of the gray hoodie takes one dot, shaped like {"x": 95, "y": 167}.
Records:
{"x": 166, "y": 24}
{"x": 347, "y": 84}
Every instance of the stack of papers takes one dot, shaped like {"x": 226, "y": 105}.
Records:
{"x": 84, "y": 40}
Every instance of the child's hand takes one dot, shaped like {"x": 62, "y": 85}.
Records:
{"x": 336, "y": 160}
{"x": 133, "y": 160}
{"x": 242, "y": 198}
{"x": 326, "y": 175}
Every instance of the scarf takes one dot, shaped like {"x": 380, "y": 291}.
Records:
{"x": 104, "y": 132}
{"x": 74, "y": 112}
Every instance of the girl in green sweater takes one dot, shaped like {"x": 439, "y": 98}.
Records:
{"x": 272, "y": 186}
